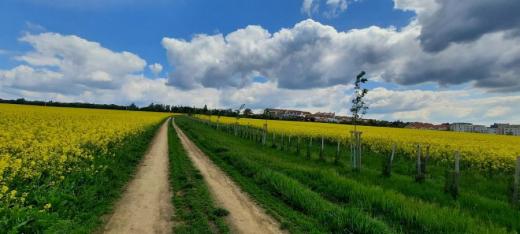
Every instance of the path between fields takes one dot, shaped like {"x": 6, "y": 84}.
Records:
{"x": 145, "y": 207}
{"x": 245, "y": 216}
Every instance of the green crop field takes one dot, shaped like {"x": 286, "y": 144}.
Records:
{"x": 309, "y": 193}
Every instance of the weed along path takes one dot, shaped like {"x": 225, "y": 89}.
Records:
{"x": 145, "y": 206}
{"x": 245, "y": 216}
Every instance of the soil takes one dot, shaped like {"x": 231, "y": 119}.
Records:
{"x": 145, "y": 206}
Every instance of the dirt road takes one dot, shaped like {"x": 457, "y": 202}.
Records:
{"x": 146, "y": 204}
{"x": 245, "y": 216}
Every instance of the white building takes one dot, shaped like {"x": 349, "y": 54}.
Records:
{"x": 461, "y": 127}
{"x": 492, "y": 130}
{"x": 497, "y": 128}
{"x": 480, "y": 129}
{"x": 512, "y": 130}
{"x": 506, "y": 129}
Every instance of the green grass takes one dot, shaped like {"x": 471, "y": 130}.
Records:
{"x": 398, "y": 202}
{"x": 82, "y": 198}
{"x": 194, "y": 208}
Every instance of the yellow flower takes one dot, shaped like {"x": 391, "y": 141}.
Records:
{"x": 36, "y": 141}
{"x": 482, "y": 151}
{"x": 12, "y": 194}
{"x": 47, "y": 206}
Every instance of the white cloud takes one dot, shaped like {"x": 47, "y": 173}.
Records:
{"x": 34, "y": 27}
{"x": 335, "y": 7}
{"x": 330, "y": 8}
{"x": 155, "y": 68}
{"x": 419, "y": 6}
{"x": 311, "y": 54}
{"x": 309, "y": 66}
{"x": 70, "y": 64}
{"x": 469, "y": 105}
{"x": 307, "y": 7}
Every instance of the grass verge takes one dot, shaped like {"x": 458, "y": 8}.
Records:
{"x": 194, "y": 208}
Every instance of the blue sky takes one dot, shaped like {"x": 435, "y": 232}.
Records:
{"x": 426, "y": 60}
{"x": 139, "y": 26}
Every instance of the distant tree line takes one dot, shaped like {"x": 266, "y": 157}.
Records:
{"x": 133, "y": 107}
{"x": 190, "y": 110}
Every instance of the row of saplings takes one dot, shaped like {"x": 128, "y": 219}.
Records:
{"x": 284, "y": 142}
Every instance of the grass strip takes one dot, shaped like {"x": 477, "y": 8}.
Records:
{"x": 195, "y": 211}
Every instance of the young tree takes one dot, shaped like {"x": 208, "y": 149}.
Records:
{"x": 358, "y": 109}
{"x": 238, "y": 117}
{"x": 248, "y": 112}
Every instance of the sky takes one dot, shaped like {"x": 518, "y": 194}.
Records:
{"x": 426, "y": 60}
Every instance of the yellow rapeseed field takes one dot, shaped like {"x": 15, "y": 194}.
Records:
{"x": 482, "y": 151}
{"x": 49, "y": 142}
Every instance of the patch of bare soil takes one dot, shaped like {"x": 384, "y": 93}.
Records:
{"x": 145, "y": 207}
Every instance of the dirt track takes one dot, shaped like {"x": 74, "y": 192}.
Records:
{"x": 146, "y": 206}
{"x": 245, "y": 216}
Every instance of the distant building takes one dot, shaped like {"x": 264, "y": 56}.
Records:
{"x": 508, "y": 129}
{"x": 285, "y": 114}
{"x": 461, "y": 127}
{"x": 323, "y": 117}
{"x": 497, "y": 128}
{"x": 343, "y": 119}
{"x": 480, "y": 129}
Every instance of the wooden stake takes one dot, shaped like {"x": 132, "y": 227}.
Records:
{"x": 425, "y": 160}
{"x": 387, "y": 167}
{"x": 452, "y": 178}
{"x": 516, "y": 183}
{"x": 322, "y": 156}
{"x": 457, "y": 162}
{"x": 419, "y": 177}
{"x": 298, "y": 146}
{"x": 264, "y": 137}
{"x": 336, "y": 159}
{"x": 309, "y": 148}
{"x": 282, "y": 144}
{"x": 289, "y": 144}
{"x": 353, "y": 145}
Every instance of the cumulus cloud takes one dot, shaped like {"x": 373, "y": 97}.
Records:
{"x": 309, "y": 66}
{"x": 67, "y": 64}
{"x": 155, "y": 68}
{"x": 468, "y": 105}
{"x": 308, "y": 55}
{"x": 311, "y": 55}
{"x": 72, "y": 69}
{"x": 445, "y": 22}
